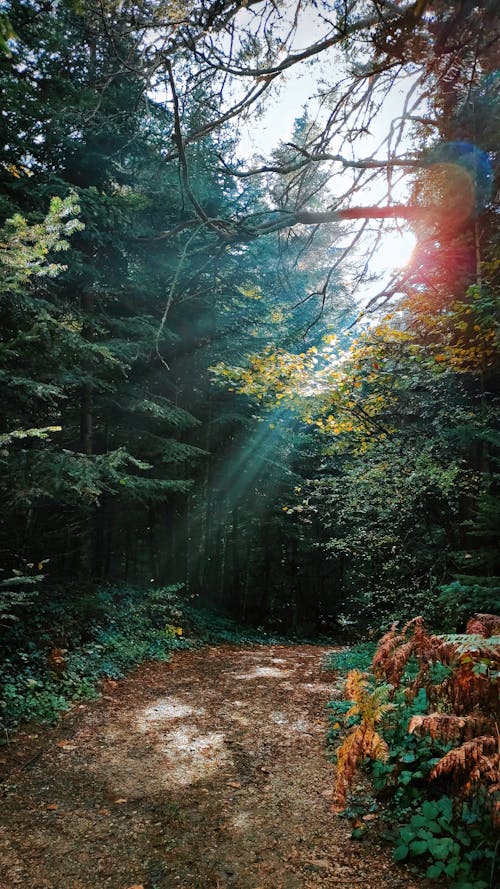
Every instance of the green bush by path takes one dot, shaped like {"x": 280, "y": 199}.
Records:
{"x": 430, "y": 825}
{"x": 101, "y": 636}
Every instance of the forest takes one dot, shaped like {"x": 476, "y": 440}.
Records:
{"x": 248, "y": 353}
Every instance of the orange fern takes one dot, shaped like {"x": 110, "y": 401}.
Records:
{"x": 475, "y": 763}
{"x": 363, "y": 741}
{"x": 484, "y": 625}
{"x": 395, "y": 650}
{"x": 450, "y": 727}
{"x": 466, "y": 703}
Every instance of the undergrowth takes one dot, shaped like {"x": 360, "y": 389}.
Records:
{"x": 60, "y": 655}
{"x": 421, "y": 720}
{"x": 69, "y": 643}
{"x": 359, "y": 657}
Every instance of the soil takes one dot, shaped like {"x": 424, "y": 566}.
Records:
{"x": 208, "y": 772}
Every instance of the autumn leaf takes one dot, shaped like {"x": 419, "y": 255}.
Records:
{"x": 66, "y": 746}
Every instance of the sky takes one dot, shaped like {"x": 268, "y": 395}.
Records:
{"x": 297, "y": 91}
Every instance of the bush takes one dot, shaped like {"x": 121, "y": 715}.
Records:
{"x": 433, "y": 752}
{"x": 122, "y": 627}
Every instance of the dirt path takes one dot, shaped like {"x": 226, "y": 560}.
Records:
{"x": 206, "y": 773}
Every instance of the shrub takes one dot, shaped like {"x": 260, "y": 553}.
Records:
{"x": 434, "y": 749}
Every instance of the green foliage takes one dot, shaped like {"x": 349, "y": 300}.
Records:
{"x": 357, "y": 657}
{"x": 215, "y": 628}
{"x": 453, "y": 838}
{"x": 124, "y": 626}
{"x": 456, "y": 600}
{"x": 403, "y": 778}
{"x": 452, "y": 848}
{"x": 6, "y": 34}
{"x": 25, "y": 250}
{"x": 20, "y": 589}
{"x": 339, "y": 720}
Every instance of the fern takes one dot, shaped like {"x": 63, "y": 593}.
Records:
{"x": 449, "y": 727}
{"x": 465, "y": 705}
{"x": 397, "y": 648}
{"x": 475, "y": 764}
{"x": 467, "y": 698}
{"x": 484, "y": 625}
{"x": 363, "y": 740}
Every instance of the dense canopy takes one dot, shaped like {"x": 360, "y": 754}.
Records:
{"x": 356, "y": 468}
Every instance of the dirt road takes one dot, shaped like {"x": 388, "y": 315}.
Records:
{"x": 205, "y": 773}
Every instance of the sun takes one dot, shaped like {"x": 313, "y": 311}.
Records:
{"x": 394, "y": 252}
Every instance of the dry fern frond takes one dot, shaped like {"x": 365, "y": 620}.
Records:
{"x": 356, "y": 685}
{"x": 449, "y": 726}
{"x": 370, "y": 704}
{"x": 387, "y": 643}
{"x": 395, "y": 650}
{"x": 466, "y": 691}
{"x": 363, "y": 740}
{"x": 475, "y": 670}
{"x": 484, "y": 625}
{"x": 474, "y": 760}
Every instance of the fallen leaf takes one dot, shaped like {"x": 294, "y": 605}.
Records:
{"x": 120, "y": 801}
{"x": 136, "y": 886}
{"x": 66, "y": 745}
{"x": 320, "y": 862}
{"x": 104, "y": 812}
{"x": 53, "y": 807}
{"x": 234, "y": 784}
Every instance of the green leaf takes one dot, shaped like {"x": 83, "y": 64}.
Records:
{"x": 430, "y": 810}
{"x": 357, "y": 833}
{"x": 441, "y": 847}
{"x": 446, "y": 806}
{"x": 406, "y": 834}
{"x": 419, "y": 847}
{"x": 400, "y": 853}
{"x": 434, "y": 827}
{"x": 452, "y": 866}
{"x": 424, "y": 834}
{"x": 434, "y": 870}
